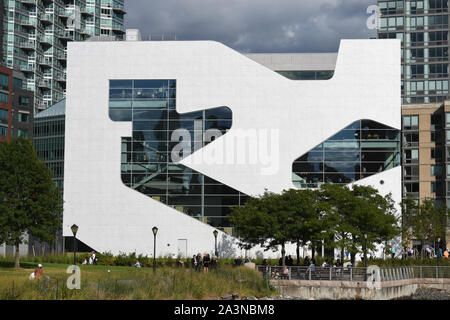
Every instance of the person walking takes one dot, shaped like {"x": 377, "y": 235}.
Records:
{"x": 94, "y": 258}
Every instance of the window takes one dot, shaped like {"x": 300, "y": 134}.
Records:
{"x": 411, "y": 155}
{"x": 3, "y": 131}
{"x": 447, "y": 119}
{"x": 411, "y": 187}
{"x": 24, "y": 101}
{"x": 436, "y": 187}
{"x": 410, "y": 139}
{"x": 17, "y": 83}
{"x": 4, "y": 97}
{"x": 23, "y": 117}
{"x": 22, "y": 133}
{"x": 410, "y": 122}
{"x": 4, "y": 82}
{"x": 436, "y": 171}
{"x": 3, "y": 116}
{"x": 411, "y": 172}
{"x": 436, "y": 153}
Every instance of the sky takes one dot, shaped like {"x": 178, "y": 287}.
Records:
{"x": 254, "y": 25}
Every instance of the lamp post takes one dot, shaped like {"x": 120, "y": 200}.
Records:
{"x": 215, "y": 233}
{"x": 155, "y": 231}
{"x": 74, "y": 231}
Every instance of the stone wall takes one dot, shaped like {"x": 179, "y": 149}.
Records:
{"x": 353, "y": 290}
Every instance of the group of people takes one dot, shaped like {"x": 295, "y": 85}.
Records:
{"x": 239, "y": 261}
{"x": 205, "y": 262}
{"x": 429, "y": 252}
{"x": 92, "y": 259}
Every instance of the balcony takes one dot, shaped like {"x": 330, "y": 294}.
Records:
{"x": 27, "y": 45}
{"x": 47, "y": 18}
{"x": 45, "y": 62}
{"x": 27, "y": 68}
{"x": 119, "y": 8}
{"x": 45, "y": 84}
{"x": 46, "y": 40}
{"x": 29, "y": 2}
{"x": 27, "y": 23}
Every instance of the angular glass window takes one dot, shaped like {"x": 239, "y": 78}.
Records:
{"x": 360, "y": 150}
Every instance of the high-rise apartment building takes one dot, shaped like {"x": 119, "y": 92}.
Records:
{"x": 423, "y": 28}
{"x": 36, "y": 33}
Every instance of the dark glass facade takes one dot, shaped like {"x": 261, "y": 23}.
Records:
{"x": 360, "y": 150}
{"x": 307, "y": 75}
{"x": 159, "y": 131}
{"x": 49, "y": 144}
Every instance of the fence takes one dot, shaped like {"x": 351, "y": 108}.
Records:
{"x": 353, "y": 274}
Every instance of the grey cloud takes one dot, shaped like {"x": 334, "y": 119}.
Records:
{"x": 255, "y": 25}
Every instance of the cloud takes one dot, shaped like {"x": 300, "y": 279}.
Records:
{"x": 255, "y": 25}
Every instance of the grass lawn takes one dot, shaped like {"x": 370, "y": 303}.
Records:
{"x": 130, "y": 283}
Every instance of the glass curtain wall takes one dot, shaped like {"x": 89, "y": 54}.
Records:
{"x": 361, "y": 150}
{"x": 161, "y": 137}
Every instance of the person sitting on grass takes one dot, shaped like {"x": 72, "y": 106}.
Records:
{"x": 37, "y": 273}
{"x": 137, "y": 264}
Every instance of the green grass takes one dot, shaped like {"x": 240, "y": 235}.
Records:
{"x": 125, "y": 283}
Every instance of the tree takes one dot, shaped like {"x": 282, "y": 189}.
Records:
{"x": 358, "y": 212}
{"x": 30, "y": 202}
{"x": 264, "y": 220}
{"x": 429, "y": 221}
{"x": 341, "y": 202}
{"x": 410, "y": 208}
{"x": 374, "y": 216}
{"x": 308, "y": 217}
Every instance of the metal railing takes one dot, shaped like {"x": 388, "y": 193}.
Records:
{"x": 353, "y": 274}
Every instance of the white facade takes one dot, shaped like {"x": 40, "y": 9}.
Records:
{"x": 296, "y": 115}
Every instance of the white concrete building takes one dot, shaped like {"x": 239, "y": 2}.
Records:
{"x": 177, "y": 132}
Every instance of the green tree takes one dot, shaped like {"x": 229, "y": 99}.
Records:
{"x": 30, "y": 202}
{"x": 308, "y": 218}
{"x": 410, "y": 208}
{"x": 264, "y": 221}
{"x": 374, "y": 216}
{"x": 429, "y": 221}
{"x": 341, "y": 200}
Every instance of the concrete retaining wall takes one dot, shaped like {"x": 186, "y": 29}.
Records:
{"x": 348, "y": 290}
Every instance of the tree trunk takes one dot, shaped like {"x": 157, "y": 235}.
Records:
{"x": 17, "y": 263}
{"x": 342, "y": 254}
{"x": 283, "y": 255}
{"x": 298, "y": 253}
{"x": 313, "y": 251}
{"x": 34, "y": 251}
{"x": 352, "y": 259}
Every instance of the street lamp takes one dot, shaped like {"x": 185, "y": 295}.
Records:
{"x": 74, "y": 231}
{"x": 215, "y": 233}
{"x": 155, "y": 231}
